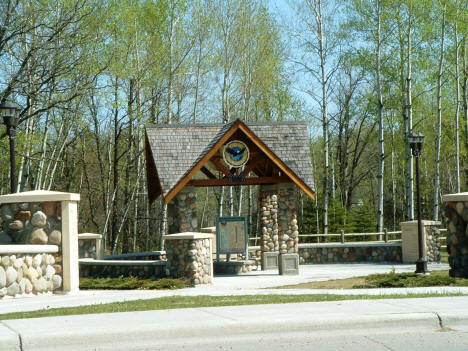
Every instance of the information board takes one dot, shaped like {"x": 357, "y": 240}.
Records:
{"x": 232, "y": 235}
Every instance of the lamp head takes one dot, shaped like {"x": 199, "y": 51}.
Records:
{"x": 416, "y": 141}
{"x": 9, "y": 111}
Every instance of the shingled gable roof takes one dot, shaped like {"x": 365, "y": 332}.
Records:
{"x": 176, "y": 152}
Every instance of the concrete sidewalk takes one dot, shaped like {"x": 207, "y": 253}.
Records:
{"x": 253, "y": 283}
{"x": 151, "y": 329}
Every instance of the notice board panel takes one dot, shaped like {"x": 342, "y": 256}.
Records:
{"x": 232, "y": 235}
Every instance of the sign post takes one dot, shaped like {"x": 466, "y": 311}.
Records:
{"x": 232, "y": 236}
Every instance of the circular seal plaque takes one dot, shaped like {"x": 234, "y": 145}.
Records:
{"x": 236, "y": 153}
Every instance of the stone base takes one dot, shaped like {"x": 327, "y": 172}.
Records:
{"x": 458, "y": 273}
{"x": 350, "y": 252}
{"x": 189, "y": 256}
{"x": 233, "y": 267}
{"x": 289, "y": 264}
{"x": 459, "y": 266}
{"x": 269, "y": 260}
{"x": 90, "y": 268}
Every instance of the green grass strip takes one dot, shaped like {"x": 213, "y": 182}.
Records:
{"x": 173, "y": 302}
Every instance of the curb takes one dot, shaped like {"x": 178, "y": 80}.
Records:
{"x": 9, "y": 339}
{"x": 89, "y": 335}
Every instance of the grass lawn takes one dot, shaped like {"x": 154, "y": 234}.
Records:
{"x": 173, "y": 302}
{"x": 386, "y": 280}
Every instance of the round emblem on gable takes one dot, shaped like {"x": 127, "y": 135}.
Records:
{"x": 236, "y": 153}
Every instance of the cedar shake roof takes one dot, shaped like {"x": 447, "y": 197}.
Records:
{"x": 173, "y": 151}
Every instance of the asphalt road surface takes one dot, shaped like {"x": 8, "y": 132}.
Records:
{"x": 446, "y": 340}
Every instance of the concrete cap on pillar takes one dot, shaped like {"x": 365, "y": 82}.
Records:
{"x": 38, "y": 196}
{"x": 455, "y": 197}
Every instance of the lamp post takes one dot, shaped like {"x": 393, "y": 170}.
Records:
{"x": 9, "y": 112}
{"x": 416, "y": 141}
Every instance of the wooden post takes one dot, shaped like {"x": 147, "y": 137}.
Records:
{"x": 385, "y": 235}
{"x": 342, "y": 236}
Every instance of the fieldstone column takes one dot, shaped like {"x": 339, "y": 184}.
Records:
{"x": 45, "y": 218}
{"x": 456, "y": 216}
{"x": 182, "y": 212}
{"x": 189, "y": 257}
{"x": 288, "y": 229}
{"x": 409, "y": 238}
{"x": 268, "y": 214}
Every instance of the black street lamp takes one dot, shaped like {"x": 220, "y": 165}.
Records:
{"x": 416, "y": 141}
{"x": 9, "y": 112}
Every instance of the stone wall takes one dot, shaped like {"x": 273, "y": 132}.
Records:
{"x": 31, "y": 223}
{"x": 433, "y": 243}
{"x": 115, "y": 269}
{"x": 24, "y": 274}
{"x": 456, "y": 216}
{"x": 351, "y": 252}
{"x": 34, "y": 223}
{"x": 43, "y": 222}
{"x": 189, "y": 257}
{"x": 268, "y": 215}
{"x": 342, "y": 253}
{"x": 410, "y": 240}
{"x": 182, "y": 213}
{"x": 288, "y": 229}
{"x": 278, "y": 219}
{"x": 87, "y": 248}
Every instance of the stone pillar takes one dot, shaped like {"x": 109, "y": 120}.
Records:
{"x": 456, "y": 217}
{"x": 45, "y": 218}
{"x": 409, "y": 239}
{"x": 288, "y": 229}
{"x": 268, "y": 215}
{"x": 182, "y": 212}
{"x": 189, "y": 256}
{"x": 71, "y": 274}
{"x": 90, "y": 246}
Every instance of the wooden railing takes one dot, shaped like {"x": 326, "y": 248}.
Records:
{"x": 342, "y": 235}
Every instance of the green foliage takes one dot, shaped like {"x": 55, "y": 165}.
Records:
{"x": 411, "y": 280}
{"x": 89, "y": 73}
{"x": 359, "y": 219}
{"x": 131, "y": 283}
{"x": 362, "y": 219}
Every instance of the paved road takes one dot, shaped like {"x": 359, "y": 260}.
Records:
{"x": 334, "y": 324}
{"x": 358, "y": 341}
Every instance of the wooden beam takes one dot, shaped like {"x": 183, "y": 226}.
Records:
{"x": 251, "y": 165}
{"x": 220, "y": 167}
{"x": 276, "y": 160}
{"x": 248, "y": 181}
{"x": 207, "y": 172}
{"x": 178, "y": 187}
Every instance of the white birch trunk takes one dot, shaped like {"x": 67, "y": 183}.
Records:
{"x": 40, "y": 169}
{"x": 457, "y": 107}
{"x": 325, "y": 126}
{"x": 439, "y": 123}
{"x": 409, "y": 125}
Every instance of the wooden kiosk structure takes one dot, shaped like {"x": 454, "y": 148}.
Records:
{"x": 275, "y": 156}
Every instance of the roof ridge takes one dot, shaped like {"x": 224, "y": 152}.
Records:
{"x": 185, "y": 125}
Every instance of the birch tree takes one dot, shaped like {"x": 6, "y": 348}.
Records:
{"x": 313, "y": 34}
{"x": 439, "y": 115}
